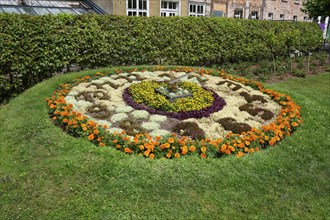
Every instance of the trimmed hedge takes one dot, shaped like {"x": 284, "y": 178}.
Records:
{"x": 33, "y": 48}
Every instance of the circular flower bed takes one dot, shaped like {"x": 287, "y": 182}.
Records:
{"x": 125, "y": 110}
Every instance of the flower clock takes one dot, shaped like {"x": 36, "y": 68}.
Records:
{"x": 167, "y": 113}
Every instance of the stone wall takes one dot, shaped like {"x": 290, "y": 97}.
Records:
{"x": 259, "y": 9}
{"x": 288, "y": 8}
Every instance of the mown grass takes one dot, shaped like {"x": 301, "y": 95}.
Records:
{"x": 47, "y": 174}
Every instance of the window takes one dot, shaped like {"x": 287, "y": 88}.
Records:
{"x": 270, "y": 16}
{"x": 305, "y": 18}
{"x": 281, "y": 16}
{"x": 137, "y": 7}
{"x": 238, "y": 13}
{"x": 196, "y": 9}
{"x": 254, "y": 15}
{"x": 169, "y": 8}
{"x": 295, "y": 18}
{"x": 218, "y": 13}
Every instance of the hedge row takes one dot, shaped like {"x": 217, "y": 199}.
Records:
{"x": 33, "y": 48}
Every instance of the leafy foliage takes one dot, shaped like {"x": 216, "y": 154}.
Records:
{"x": 33, "y": 48}
{"x": 316, "y": 8}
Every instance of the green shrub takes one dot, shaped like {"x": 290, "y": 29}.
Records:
{"x": 299, "y": 73}
{"x": 33, "y": 48}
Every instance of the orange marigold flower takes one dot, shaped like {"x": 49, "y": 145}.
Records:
{"x": 251, "y": 150}
{"x": 127, "y": 150}
{"x": 203, "y": 155}
{"x": 141, "y": 147}
{"x": 257, "y": 149}
{"x": 65, "y": 120}
{"x": 170, "y": 140}
{"x": 167, "y": 145}
{"x": 118, "y": 146}
{"x": 227, "y": 151}
{"x": 294, "y": 124}
{"x": 177, "y": 155}
{"x": 91, "y": 137}
{"x": 54, "y": 118}
{"x": 147, "y": 152}
{"x": 184, "y": 150}
{"x": 192, "y": 148}
{"x": 101, "y": 144}
{"x": 231, "y": 148}
{"x": 241, "y": 145}
{"x": 223, "y": 148}
{"x": 239, "y": 154}
{"x": 168, "y": 155}
{"x": 246, "y": 149}
{"x": 151, "y": 156}
{"x": 96, "y": 131}
{"x": 203, "y": 149}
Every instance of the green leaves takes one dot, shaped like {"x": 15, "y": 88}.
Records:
{"x": 33, "y": 48}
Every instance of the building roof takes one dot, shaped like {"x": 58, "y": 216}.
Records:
{"x": 41, "y": 7}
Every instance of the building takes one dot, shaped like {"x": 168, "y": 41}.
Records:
{"x": 283, "y": 10}
{"x": 164, "y": 8}
{"x": 260, "y": 9}
{"x": 247, "y": 9}
{"x": 240, "y": 9}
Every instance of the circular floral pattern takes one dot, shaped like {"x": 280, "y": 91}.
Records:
{"x": 243, "y": 117}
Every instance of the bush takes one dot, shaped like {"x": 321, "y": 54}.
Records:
{"x": 33, "y": 48}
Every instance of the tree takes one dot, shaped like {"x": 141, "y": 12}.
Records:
{"x": 316, "y": 8}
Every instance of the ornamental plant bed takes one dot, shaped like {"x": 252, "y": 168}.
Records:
{"x": 235, "y": 116}
{"x": 173, "y": 94}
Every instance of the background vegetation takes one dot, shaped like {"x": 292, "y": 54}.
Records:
{"x": 33, "y": 48}
{"x": 47, "y": 174}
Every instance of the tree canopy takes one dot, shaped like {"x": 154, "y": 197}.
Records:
{"x": 316, "y": 8}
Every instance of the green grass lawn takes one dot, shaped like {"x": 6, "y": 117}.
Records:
{"x": 47, "y": 174}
